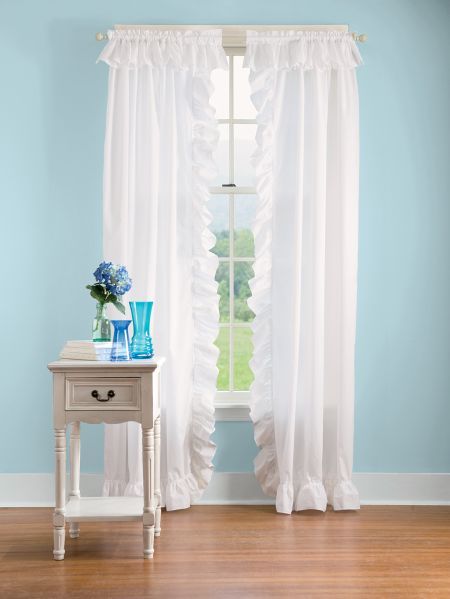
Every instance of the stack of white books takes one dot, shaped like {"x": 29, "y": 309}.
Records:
{"x": 86, "y": 350}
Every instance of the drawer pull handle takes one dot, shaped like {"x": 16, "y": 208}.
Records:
{"x": 96, "y": 395}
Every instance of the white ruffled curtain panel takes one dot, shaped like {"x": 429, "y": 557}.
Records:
{"x": 160, "y": 136}
{"x": 304, "y": 290}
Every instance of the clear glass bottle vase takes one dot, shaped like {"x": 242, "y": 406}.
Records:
{"x": 101, "y": 327}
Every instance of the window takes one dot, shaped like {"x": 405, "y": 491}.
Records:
{"x": 233, "y": 207}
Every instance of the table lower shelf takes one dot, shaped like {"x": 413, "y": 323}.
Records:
{"x": 82, "y": 509}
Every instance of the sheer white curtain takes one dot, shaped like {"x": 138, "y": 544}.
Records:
{"x": 304, "y": 289}
{"x": 160, "y": 135}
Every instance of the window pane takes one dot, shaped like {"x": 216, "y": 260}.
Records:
{"x": 243, "y": 351}
{"x": 243, "y": 106}
{"x": 220, "y": 96}
{"x": 245, "y": 145}
{"x": 223, "y": 363}
{"x": 244, "y": 216}
{"x": 221, "y": 156}
{"x": 243, "y": 272}
{"x": 218, "y": 206}
{"x": 223, "y": 278}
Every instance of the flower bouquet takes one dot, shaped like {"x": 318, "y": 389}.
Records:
{"x": 112, "y": 282}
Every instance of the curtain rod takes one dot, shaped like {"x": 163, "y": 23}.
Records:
{"x": 234, "y": 35}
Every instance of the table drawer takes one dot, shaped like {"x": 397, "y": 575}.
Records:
{"x": 89, "y": 393}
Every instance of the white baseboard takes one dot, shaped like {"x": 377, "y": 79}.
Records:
{"x": 240, "y": 488}
{"x": 234, "y": 488}
{"x": 378, "y": 488}
{"x": 38, "y": 490}
{"x": 374, "y": 489}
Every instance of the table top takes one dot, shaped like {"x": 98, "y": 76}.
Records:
{"x": 151, "y": 364}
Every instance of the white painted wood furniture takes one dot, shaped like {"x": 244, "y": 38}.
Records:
{"x": 112, "y": 392}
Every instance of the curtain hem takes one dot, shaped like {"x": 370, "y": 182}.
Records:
{"x": 316, "y": 495}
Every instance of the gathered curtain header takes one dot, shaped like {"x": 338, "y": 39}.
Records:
{"x": 190, "y": 50}
{"x": 203, "y": 50}
{"x": 301, "y": 50}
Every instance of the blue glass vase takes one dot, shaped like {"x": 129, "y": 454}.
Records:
{"x": 120, "y": 351}
{"x": 141, "y": 343}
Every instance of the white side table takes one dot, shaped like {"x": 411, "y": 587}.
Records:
{"x": 112, "y": 392}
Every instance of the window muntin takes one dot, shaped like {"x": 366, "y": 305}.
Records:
{"x": 233, "y": 208}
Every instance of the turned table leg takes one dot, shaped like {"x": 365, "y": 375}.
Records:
{"x": 148, "y": 518}
{"x": 60, "y": 494}
{"x": 158, "y": 476}
{"x": 74, "y": 527}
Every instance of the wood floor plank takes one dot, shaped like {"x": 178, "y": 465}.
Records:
{"x": 234, "y": 551}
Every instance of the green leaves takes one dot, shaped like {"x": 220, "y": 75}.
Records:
{"x": 98, "y": 292}
{"x": 102, "y": 296}
{"x": 118, "y": 304}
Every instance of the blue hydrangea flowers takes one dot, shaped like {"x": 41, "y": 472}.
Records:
{"x": 103, "y": 272}
{"x": 114, "y": 276}
{"x": 112, "y": 282}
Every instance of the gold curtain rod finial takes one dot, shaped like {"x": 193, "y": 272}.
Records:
{"x": 360, "y": 38}
{"x": 100, "y": 36}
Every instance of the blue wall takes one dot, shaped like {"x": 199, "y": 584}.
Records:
{"x": 52, "y": 108}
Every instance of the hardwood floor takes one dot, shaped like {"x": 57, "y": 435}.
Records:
{"x": 235, "y": 551}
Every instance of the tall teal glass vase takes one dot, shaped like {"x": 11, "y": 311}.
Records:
{"x": 141, "y": 343}
{"x": 120, "y": 351}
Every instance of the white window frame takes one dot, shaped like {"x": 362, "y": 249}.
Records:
{"x": 232, "y": 405}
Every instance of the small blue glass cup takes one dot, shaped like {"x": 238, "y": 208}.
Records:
{"x": 141, "y": 343}
{"x": 120, "y": 351}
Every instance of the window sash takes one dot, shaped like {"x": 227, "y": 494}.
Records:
{"x": 237, "y": 400}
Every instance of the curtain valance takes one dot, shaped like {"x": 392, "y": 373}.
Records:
{"x": 192, "y": 50}
{"x": 304, "y": 50}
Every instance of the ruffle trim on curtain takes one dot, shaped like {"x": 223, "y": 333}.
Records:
{"x": 315, "y": 495}
{"x": 193, "y": 50}
{"x": 180, "y": 493}
{"x": 266, "y": 468}
{"x": 301, "y": 50}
